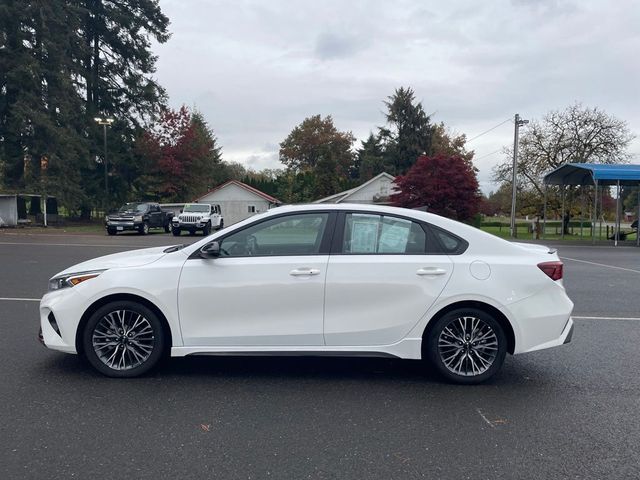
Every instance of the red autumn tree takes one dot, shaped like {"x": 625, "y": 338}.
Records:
{"x": 180, "y": 155}
{"x": 445, "y": 184}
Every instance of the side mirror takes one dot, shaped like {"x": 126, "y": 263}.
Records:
{"x": 210, "y": 250}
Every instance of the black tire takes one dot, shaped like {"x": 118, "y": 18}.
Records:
{"x": 469, "y": 361}
{"x": 98, "y": 324}
{"x": 221, "y": 226}
{"x": 167, "y": 229}
{"x": 111, "y": 231}
{"x": 206, "y": 230}
{"x": 144, "y": 229}
{"x": 176, "y": 232}
{"x": 192, "y": 232}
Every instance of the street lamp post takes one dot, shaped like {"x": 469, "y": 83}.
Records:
{"x": 518, "y": 122}
{"x": 105, "y": 121}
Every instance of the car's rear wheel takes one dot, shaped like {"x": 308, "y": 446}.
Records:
{"x": 167, "y": 229}
{"x": 467, "y": 346}
{"x": 123, "y": 339}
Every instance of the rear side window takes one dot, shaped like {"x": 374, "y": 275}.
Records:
{"x": 448, "y": 242}
{"x": 381, "y": 234}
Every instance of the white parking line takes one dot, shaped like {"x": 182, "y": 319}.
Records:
{"x": 10, "y": 299}
{"x": 637, "y": 319}
{"x": 80, "y": 245}
{"x": 601, "y": 265}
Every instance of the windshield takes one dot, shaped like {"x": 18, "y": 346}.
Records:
{"x": 196, "y": 208}
{"x": 133, "y": 207}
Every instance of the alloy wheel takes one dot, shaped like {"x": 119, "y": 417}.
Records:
{"x": 123, "y": 339}
{"x": 468, "y": 346}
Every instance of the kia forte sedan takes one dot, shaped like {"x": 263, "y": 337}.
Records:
{"x": 352, "y": 280}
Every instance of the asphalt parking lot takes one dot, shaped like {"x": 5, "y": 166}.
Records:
{"x": 569, "y": 412}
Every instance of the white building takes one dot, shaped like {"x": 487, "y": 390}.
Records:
{"x": 375, "y": 191}
{"x": 238, "y": 201}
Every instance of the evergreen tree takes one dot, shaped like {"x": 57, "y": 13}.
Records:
{"x": 369, "y": 159}
{"x": 408, "y": 132}
{"x": 62, "y": 63}
{"x": 41, "y": 136}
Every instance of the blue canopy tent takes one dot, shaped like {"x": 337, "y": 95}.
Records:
{"x": 597, "y": 175}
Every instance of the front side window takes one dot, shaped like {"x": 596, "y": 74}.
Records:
{"x": 290, "y": 235}
{"x": 378, "y": 234}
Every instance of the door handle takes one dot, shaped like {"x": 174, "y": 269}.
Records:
{"x": 300, "y": 272}
{"x": 430, "y": 271}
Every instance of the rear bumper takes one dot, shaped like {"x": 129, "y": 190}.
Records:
{"x": 542, "y": 320}
{"x": 569, "y": 334}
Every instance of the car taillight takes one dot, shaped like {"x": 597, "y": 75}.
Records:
{"x": 552, "y": 269}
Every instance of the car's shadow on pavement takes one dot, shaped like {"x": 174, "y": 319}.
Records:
{"x": 198, "y": 369}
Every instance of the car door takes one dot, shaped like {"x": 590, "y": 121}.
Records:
{"x": 155, "y": 216}
{"x": 265, "y": 289}
{"x": 380, "y": 280}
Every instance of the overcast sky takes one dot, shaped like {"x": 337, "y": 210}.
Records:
{"x": 257, "y": 69}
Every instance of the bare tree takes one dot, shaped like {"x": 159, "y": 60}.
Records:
{"x": 577, "y": 134}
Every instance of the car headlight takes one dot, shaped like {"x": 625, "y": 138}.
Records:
{"x": 72, "y": 279}
{"x": 137, "y": 218}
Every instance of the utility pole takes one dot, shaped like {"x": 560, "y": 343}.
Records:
{"x": 518, "y": 122}
{"x": 105, "y": 122}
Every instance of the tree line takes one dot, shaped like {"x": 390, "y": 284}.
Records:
{"x": 64, "y": 63}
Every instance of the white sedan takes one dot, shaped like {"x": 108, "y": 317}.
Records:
{"x": 352, "y": 280}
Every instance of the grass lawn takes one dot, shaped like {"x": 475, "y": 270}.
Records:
{"x": 552, "y": 233}
{"x": 92, "y": 228}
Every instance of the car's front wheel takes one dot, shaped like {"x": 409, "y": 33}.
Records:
{"x": 144, "y": 229}
{"x": 206, "y": 230}
{"x": 467, "y": 346}
{"x": 123, "y": 339}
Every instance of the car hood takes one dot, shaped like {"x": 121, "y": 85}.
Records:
{"x": 132, "y": 258}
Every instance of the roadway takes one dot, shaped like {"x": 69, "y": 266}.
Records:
{"x": 569, "y": 412}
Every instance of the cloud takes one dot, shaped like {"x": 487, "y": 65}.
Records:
{"x": 330, "y": 45}
{"x": 257, "y": 69}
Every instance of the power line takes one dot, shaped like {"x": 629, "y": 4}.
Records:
{"x": 488, "y": 154}
{"x": 492, "y": 128}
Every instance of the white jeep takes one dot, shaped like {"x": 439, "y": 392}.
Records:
{"x": 198, "y": 216}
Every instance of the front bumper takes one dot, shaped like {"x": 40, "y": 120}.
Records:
{"x": 60, "y": 313}
{"x": 188, "y": 226}
{"x": 121, "y": 226}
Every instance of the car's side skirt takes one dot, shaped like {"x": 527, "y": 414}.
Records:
{"x": 409, "y": 348}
